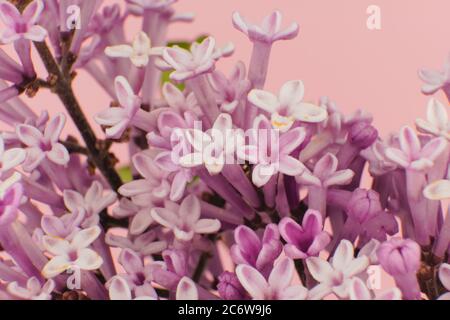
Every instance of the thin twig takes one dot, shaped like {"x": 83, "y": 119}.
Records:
{"x": 64, "y": 91}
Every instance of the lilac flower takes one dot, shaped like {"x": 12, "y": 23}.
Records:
{"x": 153, "y": 186}
{"x": 92, "y": 203}
{"x": 325, "y": 173}
{"x": 64, "y": 227}
{"x": 288, "y": 107}
{"x": 436, "y": 80}
{"x": 73, "y": 254}
{"x": 438, "y": 190}
{"x": 186, "y": 290}
{"x": 269, "y": 156}
{"x": 306, "y": 240}
{"x": 401, "y": 259}
{"x": 359, "y": 291}
{"x": 43, "y": 145}
{"x": 138, "y": 53}
{"x": 21, "y": 25}
{"x": 144, "y": 244}
{"x": 184, "y": 219}
{"x": 138, "y": 275}
{"x": 253, "y": 251}
{"x": 211, "y": 149}
{"x": 33, "y": 290}
{"x": 444, "y": 276}
{"x": 269, "y": 30}
{"x": 277, "y": 287}
{"x": 231, "y": 91}
{"x": 119, "y": 290}
{"x": 117, "y": 119}
{"x": 411, "y": 154}
{"x": 336, "y": 276}
{"x": 189, "y": 64}
{"x": 437, "y": 123}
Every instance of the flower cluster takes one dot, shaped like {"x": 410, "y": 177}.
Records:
{"x": 232, "y": 191}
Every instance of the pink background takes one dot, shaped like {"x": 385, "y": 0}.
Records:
{"x": 335, "y": 54}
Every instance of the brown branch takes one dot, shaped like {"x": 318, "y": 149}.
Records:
{"x": 65, "y": 93}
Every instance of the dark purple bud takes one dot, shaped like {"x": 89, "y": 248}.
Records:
{"x": 363, "y": 134}
{"x": 363, "y": 205}
{"x": 229, "y": 287}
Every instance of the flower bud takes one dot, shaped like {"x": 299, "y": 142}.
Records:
{"x": 229, "y": 287}
{"x": 363, "y": 134}
{"x": 363, "y": 205}
{"x": 399, "y": 256}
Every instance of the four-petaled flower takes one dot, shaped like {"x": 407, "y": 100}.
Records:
{"x": 437, "y": 122}
{"x": 270, "y": 151}
{"x": 117, "y": 119}
{"x": 21, "y": 26}
{"x": 92, "y": 203}
{"x": 139, "y": 52}
{"x": 304, "y": 240}
{"x": 325, "y": 173}
{"x": 184, "y": 219}
{"x": 411, "y": 154}
{"x": 212, "y": 148}
{"x": 73, "y": 254}
{"x": 188, "y": 64}
{"x": 288, "y": 107}
{"x": 335, "y": 277}
{"x": 259, "y": 253}
{"x": 33, "y": 289}
{"x": 436, "y": 80}
{"x": 269, "y": 31}
{"x": 43, "y": 145}
{"x": 277, "y": 287}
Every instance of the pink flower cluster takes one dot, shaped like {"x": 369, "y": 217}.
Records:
{"x": 285, "y": 219}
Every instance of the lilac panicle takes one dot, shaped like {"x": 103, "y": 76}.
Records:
{"x": 228, "y": 191}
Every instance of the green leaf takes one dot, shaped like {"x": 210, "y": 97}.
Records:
{"x": 125, "y": 174}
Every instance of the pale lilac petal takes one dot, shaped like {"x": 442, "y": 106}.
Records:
{"x": 437, "y": 113}
{"x": 292, "y": 92}
{"x": 343, "y": 255}
{"x": 59, "y": 154}
{"x": 308, "y": 112}
{"x": 320, "y": 269}
{"x": 178, "y": 58}
{"x": 165, "y": 217}
{"x": 291, "y": 140}
{"x": 356, "y": 266}
{"x": 359, "y": 291}
{"x": 56, "y": 266}
{"x": 73, "y": 200}
{"x": 178, "y": 187}
{"x": 36, "y": 33}
{"x": 281, "y": 276}
{"x": 326, "y": 166}
{"x": 291, "y": 166}
{"x": 186, "y": 290}
{"x": 135, "y": 188}
{"x": 52, "y": 226}
{"x": 444, "y": 275}
{"x": 287, "y": 33}
{"x": 339, "y": 178}
{"x": 131, "y": 261}
{"x": 140, "y": 222}
{"x": 409, "y": 142}
{"x": 33, "y": 11}
{"x": 88, "y": 259}
{"x": 262, "y": 174}
{"x": 29, "y": 135}
{"x": 247, "y": 240}
{"x": 85, "y": 237}
{"x": 296, "y": 292}
{"x": 33, "y": 159}
{"x": 9, "y": 14}
{"x": 319, "y": 291}
{"x": 264, "y": 100}
{"x": 272, "y": 23}
{"x": 239, "y": 22}
{"x": 119, "y": 289}
{"x": 397, "y": 156}
{"x": 12, "y": 158}
{"x": 111, "y": 116}
{"x": 434, "y": 148}
{"x": 120, "y": 51}
{"x": 55, "y": 245}
{"x": 252, "y": 281}
{"x": 189, "y": 211}
{"x": 206, "y": 226}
